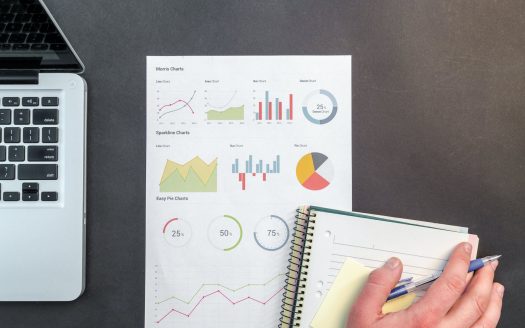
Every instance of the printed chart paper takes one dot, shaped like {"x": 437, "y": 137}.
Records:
{"x": 234, "y": 145}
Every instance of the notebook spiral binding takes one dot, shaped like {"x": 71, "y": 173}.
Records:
{"x": 296, "y": 277}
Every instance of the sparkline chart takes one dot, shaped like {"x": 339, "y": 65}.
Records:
{"x": 262, "y": 169}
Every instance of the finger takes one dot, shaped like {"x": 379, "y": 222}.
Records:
{"x": 491, "y": 317}
{"x": 442, "y": 295}
{"x": 475, "y": 301}
{"x": 368, "y": 306}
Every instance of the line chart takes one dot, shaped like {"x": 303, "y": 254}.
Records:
{"x": 209, "y": 104}
{"x": 183, "y": 104}
{"x": 218, "y": 292}
{"x": 221, "y": 286}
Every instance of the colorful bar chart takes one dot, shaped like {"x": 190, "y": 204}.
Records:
{"x": 255, "y": 168}
{"x": 271, "y": 109}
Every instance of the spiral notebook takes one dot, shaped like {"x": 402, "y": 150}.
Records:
{"x": 324, "y": 238}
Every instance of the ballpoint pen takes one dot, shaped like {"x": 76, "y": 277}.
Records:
{"x": 411, "y": 286}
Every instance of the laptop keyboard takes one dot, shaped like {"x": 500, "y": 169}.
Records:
{"x": 29, "y": 148}
{"x": 24, "y": 25}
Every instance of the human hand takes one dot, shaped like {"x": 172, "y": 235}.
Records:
{"x": 453, "y": 301}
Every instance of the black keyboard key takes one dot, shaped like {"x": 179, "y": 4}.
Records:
{"x": 47, "y": 28}
{"x": 42, "y": 153}
{"x": 5, "y": 116}
{"x": 17, "y": 38}
{"x": 6, "y": 18}
{"x": 20, "y": 46}
{"x": 18, "y": 8}
{"x": 35, "y": 9}
{"x": 7, "y": 172}
{"x": 58, "y": 46}
{"x": 17, "y": 153}
{"x": 11, "y": 135}
{"x": 30, "y": 192}
{"x": 4, "y": 37}
{"x": 53, "y": 38}
{"x": 11, "y": 101}
{"x": 30, "y": 187}
{"x": 11, "y": 196}
{"x": 13, "y": 28}
{"x": 49, "y": 196}
{"x": 49, "y": 101}
{"x": 2, "y": 153}
{"x": 30, "y": 101}
{"x": 5, "y": 47}
{"x": 27, "y": 197}
{"x": 22, "y": 18}
{"x": 35, "y": 38}
{"x": 39, "y": 46}
{"x": 37, "y": 172}
{"x": 21, "y": 116}
{"x": 31, "y": 135}
{"x": 49, "y": 135}
{"x": 45, "y": 116}
{"x": 31, "y": 27}
{"x": 39, "y": 18}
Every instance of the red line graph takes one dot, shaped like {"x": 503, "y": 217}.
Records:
{"x": 232, "y": 302}
{"x": 176, "y": 102}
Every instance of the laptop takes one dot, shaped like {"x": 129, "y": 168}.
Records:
{"x": 42, "y": 157}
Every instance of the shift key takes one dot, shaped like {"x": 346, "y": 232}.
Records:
{"x": 37, "y": 172}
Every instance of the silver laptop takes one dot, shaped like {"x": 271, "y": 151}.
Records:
{"x": 42, "y": 158}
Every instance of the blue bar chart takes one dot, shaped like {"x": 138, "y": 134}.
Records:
{"x": 255, "y": 168}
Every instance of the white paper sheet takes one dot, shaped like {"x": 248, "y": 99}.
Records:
{"x": 217, "y": 226}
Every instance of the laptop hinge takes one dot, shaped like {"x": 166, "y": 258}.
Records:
{"x": 19, "y": 70}
{"x": 22, "y": 76}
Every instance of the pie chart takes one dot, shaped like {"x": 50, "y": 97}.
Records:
{"x": 314, "y": 171}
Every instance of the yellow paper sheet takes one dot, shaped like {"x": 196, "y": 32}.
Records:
{"x": 333, "y": 312}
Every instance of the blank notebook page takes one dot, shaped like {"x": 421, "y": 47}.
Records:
{"x": 423, "y": 250}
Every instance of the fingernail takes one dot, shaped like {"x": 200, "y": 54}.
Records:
{"x": 494, "y": 264}
{"x": 500, "y": 290}
{"x": 467, "y": 247}
{"x": 393, "y": 263}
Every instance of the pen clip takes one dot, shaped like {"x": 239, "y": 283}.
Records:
{"x": 404, "y": 281}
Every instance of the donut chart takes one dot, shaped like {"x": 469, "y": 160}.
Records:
{"x": 320, "y": 106}
{"x": 315, "y": 171}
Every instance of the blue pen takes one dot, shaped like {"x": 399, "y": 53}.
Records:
{"x": 411, "y": 286}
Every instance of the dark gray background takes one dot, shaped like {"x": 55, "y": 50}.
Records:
{"x": 438, "y": 121}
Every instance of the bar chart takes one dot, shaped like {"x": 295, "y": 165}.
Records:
{"x": 271, "y": 108}
{"x": 261, "y": 169}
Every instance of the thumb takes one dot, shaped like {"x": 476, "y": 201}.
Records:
{"x": 376, "y": 290}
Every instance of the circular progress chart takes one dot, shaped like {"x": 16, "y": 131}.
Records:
{"x": 315, "y": 171}
{"x": 320, "y": 106}
{"x": 271, "y": 233}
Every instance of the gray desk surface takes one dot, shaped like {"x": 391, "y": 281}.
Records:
{"x": 438, "y": 121}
